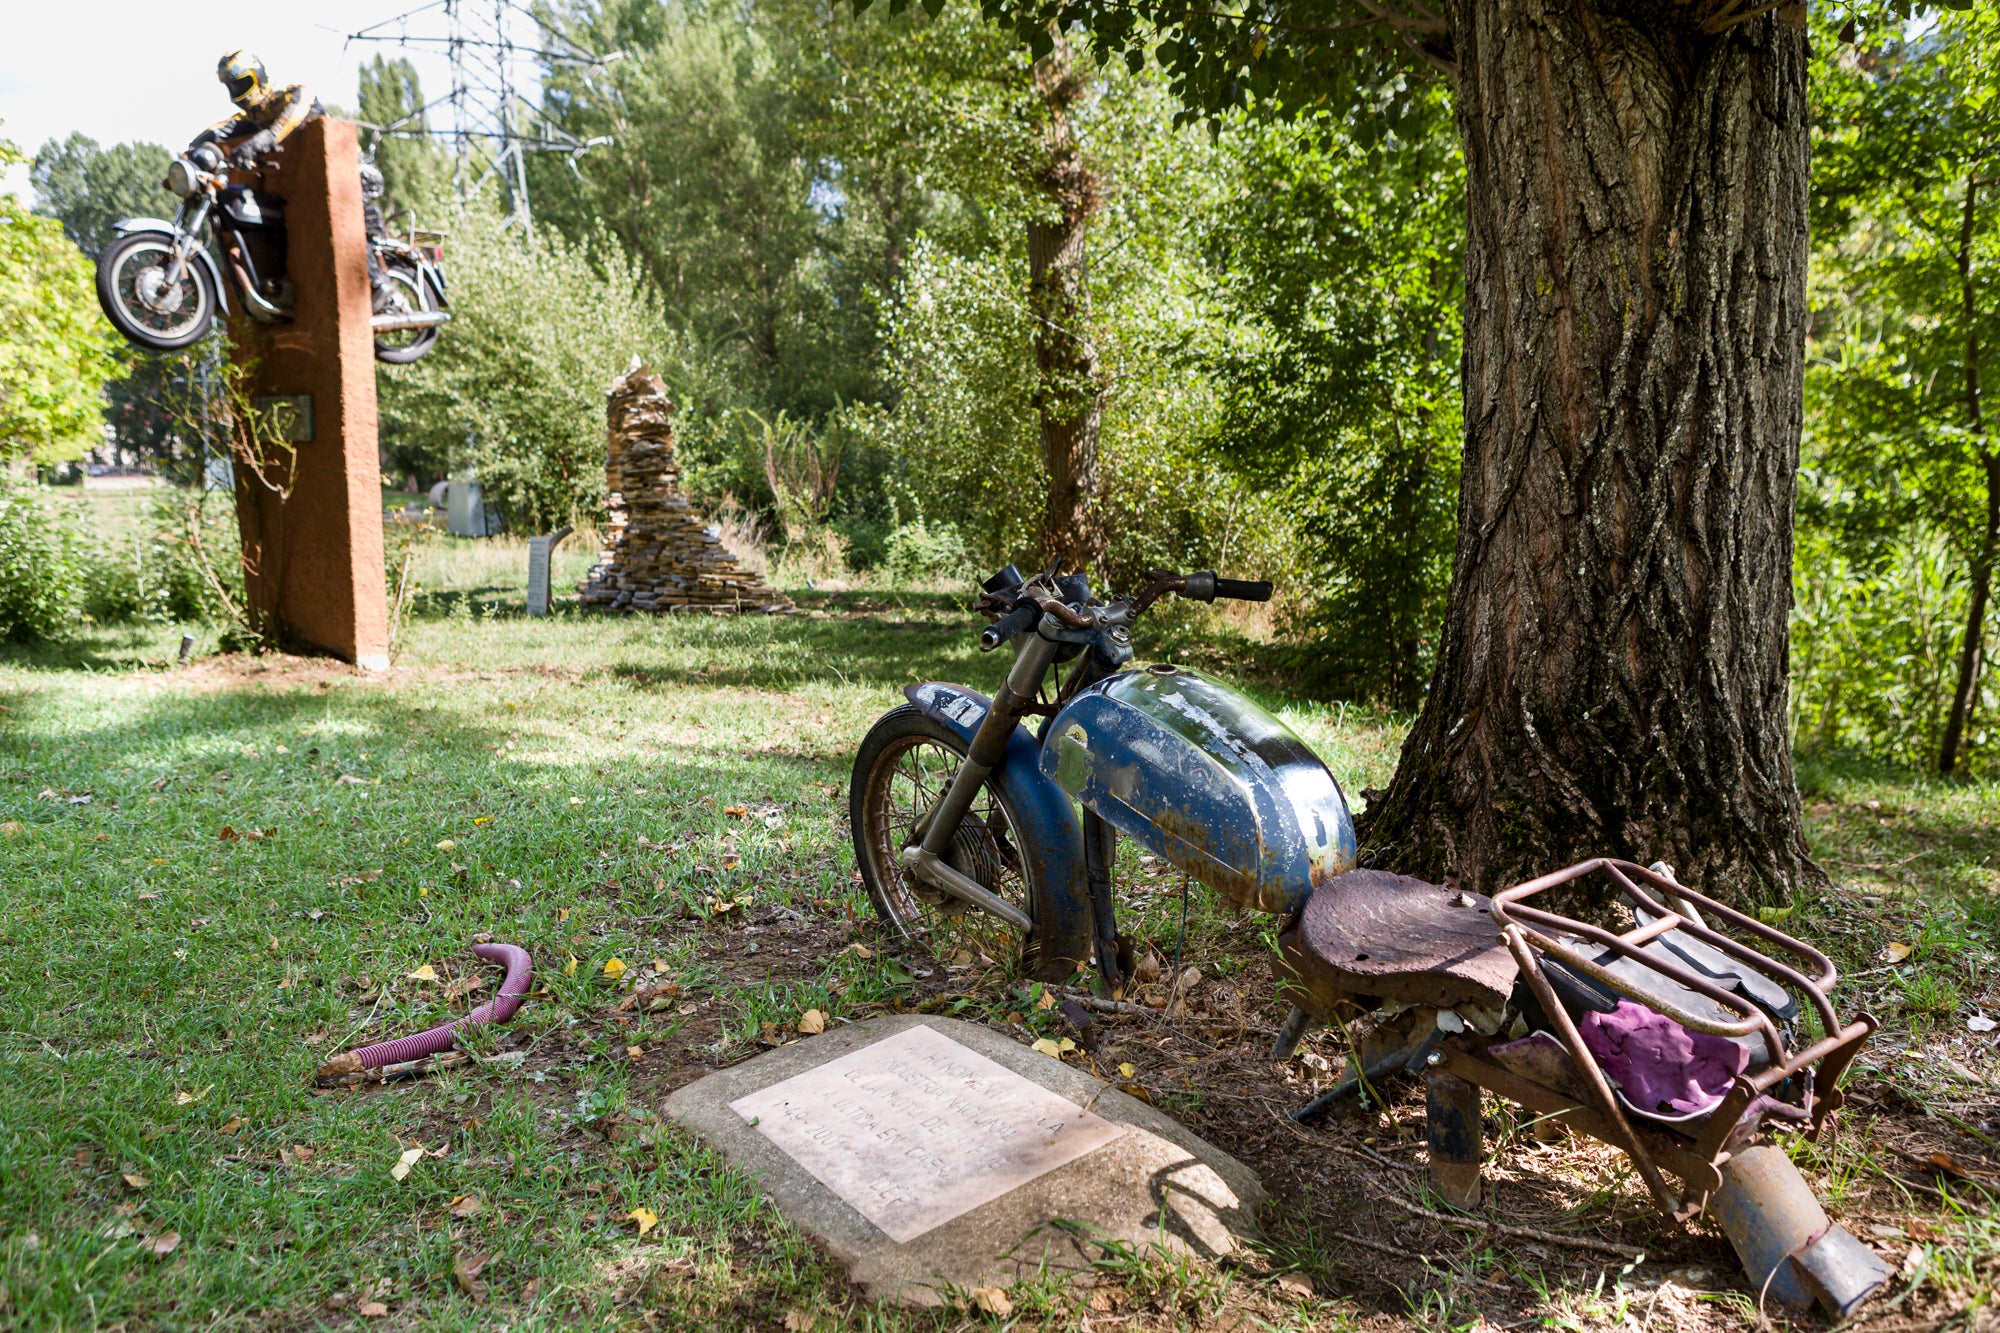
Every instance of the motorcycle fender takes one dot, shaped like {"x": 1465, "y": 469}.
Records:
{"x": 1048, "y": 822}
{"x": 201, "y": 253}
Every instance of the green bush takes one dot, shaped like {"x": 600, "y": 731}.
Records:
{"x": 152, "y": 573}
{"x": 920, "y": 552}
{"x": 40, "y": 563}
{"x": 515, "y": 387}
{"x": 1875, "y": 642}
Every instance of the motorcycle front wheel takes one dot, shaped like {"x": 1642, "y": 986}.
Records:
{"x": 138, "y": 299}
{"x": 402, "y": 346}
{"x": 905, "y": 762}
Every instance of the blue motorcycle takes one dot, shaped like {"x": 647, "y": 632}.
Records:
{"x": 966, "y": 825}
{"x": 1691, "y": 1041}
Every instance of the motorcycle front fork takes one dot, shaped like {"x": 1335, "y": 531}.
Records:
{"x": 924, "y": 858}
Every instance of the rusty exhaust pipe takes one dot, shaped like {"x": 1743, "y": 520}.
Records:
{"x": 1789, "y": 1247}
{"x": 415, "y": 319}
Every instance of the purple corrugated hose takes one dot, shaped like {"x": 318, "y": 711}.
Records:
{"x": 514, "y": 989}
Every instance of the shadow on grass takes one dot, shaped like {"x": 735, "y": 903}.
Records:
{"x": 101, "y": 648}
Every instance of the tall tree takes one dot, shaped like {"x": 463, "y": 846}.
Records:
{"x": 1069, "y": 387}
{"x": 706, "y": 184}
{"x": 1611, "y": 676}
{"x": 1909, "y": 193}
{"x": 1342, "y": 266}
{"x": 416, "y": 171}
{"x": 88, "y": 188}
{"x": 56, "y": 352}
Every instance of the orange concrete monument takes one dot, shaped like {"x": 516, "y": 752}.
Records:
{"x": 312, "y": 524}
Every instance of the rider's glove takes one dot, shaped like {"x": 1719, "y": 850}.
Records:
{"x": 246, "y": 154}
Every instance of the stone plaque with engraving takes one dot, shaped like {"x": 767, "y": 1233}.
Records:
{"x": 930, "y": 1154}
{"x": 916, "y": 1129}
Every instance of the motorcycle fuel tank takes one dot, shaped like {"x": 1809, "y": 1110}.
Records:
{"x": 1207, "y": 780}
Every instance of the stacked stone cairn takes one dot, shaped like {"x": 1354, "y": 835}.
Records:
{"x": 661, "y": 555}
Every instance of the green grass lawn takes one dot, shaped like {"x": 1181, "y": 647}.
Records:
{"x": 217, "y": 876}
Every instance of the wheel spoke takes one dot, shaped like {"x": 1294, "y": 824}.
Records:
{"x": 906, "y": 784}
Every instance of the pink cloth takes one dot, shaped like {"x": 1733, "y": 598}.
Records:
{"x": 1659, "y": 1065}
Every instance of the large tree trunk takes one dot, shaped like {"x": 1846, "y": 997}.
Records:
{"x": 1069, "y": 384}
{"x": 1612, "y": 673}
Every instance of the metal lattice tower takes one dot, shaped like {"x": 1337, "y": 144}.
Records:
{"x": 492, "y": 128}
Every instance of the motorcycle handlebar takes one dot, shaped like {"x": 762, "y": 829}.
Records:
{"x": 1020, "y": 619}
{"x": 1205, "y": 586}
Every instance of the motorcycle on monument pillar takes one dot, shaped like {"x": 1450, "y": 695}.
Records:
{"x": 162, "y": 287}
{"x": 1691, "y": 1041}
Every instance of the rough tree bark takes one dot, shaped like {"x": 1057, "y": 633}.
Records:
{"x": 1612, "y": 671}
{"x": 1069, "y": 383}
{"x": 1972, "y": 651}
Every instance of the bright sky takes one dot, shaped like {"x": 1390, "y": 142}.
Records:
{"x": 120, "y": 69}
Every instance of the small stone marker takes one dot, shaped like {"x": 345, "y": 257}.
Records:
{"x": 540, "y": 549}
{"x": 928, "y": 1153}
{"x": 916, "y": 1129}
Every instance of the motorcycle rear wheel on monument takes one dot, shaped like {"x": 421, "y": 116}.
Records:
{"x": 399, "y": 347}
{"x": 142, "y": 304}
{"x": 904, "y": 762}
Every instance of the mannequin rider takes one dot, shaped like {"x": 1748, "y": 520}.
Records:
{"x": 266, "y": 117}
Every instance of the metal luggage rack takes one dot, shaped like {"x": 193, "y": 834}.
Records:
{"x": 1697, "y": 1148}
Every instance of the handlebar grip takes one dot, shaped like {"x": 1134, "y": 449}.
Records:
{"x": 1205, "y": 586}
{"x": 1021, "y": 618}
{"x": 1244, "y": 590}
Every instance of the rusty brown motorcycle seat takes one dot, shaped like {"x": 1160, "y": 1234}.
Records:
{"x": 1369, "y": 934}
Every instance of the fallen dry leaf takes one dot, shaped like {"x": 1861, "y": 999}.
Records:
{"x": 1296, "y": 1284}
{"x": 1897, "y": 952}
{"x": 405, "y": 1162}
{"x": 230, "y": 1126}
{"x": 465, "y": 1272}
{"x": 164, "y": 1244}
{"x": 466, "y": 1205}
{"x": 136, "y": 1181}
{"x": 374, "y": 1310}
{"x": 1981, "y": 1023}
{"x": 615, "y": 968}
{"x": 569, "y": 968}
{"x": 635, "y": 1052}
{"x": 1055, "y": 1048}
{"x": 226, "y": 834}
{"x": 993, "y": 1301}
{"x": 860, "y": 950}
{"x": 1127, "y": 1070}
{"x": 812, "y": 1022}
{"x": 644, "y": 1218}
{"x": 13, "y": 828}
{"x": 797, "y": 1321}
{"x": 424, "y": 973}
{"x": 687, "y": 1007}
{"x": 446, "y": 845}
{"x": 735, "y": 811}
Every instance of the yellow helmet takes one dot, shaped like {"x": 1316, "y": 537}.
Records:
{"x": 243, "y": 74}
